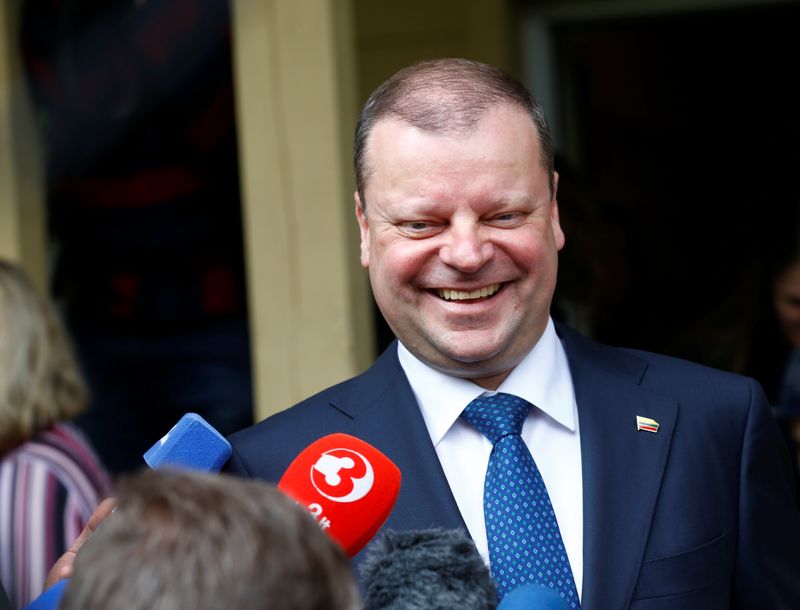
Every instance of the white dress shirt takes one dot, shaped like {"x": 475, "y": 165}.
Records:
{"x": 550, "y": 431}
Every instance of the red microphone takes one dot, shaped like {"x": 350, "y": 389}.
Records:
{"x": 348, "y": 485}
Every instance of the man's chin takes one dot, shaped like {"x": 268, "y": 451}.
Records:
{"x": 472, "y": 364}
{"x": 487, "y": 374}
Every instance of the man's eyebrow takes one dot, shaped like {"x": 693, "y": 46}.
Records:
{"x": 512, "y": 198}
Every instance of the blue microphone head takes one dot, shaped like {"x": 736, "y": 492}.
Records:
{"x": 192, "y": 443}
{"x": 533, "y": 597}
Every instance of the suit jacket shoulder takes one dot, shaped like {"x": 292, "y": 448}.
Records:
{"x": 378, "y": 407}
{"x": 265, "y": 449}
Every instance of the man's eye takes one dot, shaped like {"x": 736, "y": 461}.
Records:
{"x": 508, "y": 218}
{"x": 418, "y": 226}
{"x": 419, "y": 229}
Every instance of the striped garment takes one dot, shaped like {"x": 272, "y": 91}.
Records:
{"x": 49, "y": 487}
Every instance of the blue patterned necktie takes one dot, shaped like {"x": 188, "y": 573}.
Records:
{"x": 525, "y": 543}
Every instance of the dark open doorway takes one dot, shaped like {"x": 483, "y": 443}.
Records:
{"x": 680, "y": 189}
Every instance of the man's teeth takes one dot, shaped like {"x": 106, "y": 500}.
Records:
{"x": 463, "y": 295}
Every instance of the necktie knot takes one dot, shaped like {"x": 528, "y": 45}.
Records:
{"x": 497, "y": 416}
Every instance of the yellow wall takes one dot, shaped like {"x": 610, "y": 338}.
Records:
{"x": 295, "y": 104}
{"x": 22, "y": 227}
{"x": 392, "y": 35}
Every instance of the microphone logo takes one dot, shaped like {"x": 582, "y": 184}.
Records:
{"x": 342, "y": 475}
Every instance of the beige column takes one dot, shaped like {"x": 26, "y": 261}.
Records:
{"x": 296, "y": 106}
{"x": 392, "y": 35}
{"x": 22, "y": 228}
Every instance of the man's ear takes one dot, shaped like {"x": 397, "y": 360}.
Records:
{"x": 558, "y": 234}
{"x": 363, "y": 227}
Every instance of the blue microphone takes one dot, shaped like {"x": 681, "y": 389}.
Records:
{"x": 533, "y": 597}
{"x": 50, "y": 599}
{"x": 192, "y": 443}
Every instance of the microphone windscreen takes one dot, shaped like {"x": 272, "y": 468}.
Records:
{"x": 50, "y": 599}
{"x": 433, "y": 569}
{"x": 192, "y": 443}
{"x": 533, "y": 597}
{"x": 348, "y": 485}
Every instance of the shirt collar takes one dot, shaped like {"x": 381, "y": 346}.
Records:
{"x": 542, "y": 378}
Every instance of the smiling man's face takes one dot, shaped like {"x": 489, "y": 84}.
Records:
{"x": 461, "y": 237}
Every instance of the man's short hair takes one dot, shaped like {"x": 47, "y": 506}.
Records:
{"x": 189, "y": 540}
{"x": 445, "y": 95}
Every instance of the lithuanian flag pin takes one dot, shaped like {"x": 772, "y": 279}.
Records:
{"x": 646, "y": 424}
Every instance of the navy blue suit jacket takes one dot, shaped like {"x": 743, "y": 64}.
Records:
{"x": 698, "y": 516}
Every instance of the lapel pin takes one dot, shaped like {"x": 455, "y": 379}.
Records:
{"x": 646, "y": 424}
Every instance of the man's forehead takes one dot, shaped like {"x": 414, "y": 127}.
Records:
{"x": 392, "y": 136}
{"x": 445, "y": 120}
{"x": 502, "y": 132}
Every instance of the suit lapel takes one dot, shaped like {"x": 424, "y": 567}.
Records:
{"x": 390, "y": 420}
{"x": 622, "y": 467}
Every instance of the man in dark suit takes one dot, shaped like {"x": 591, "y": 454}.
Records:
{"x": 667, "y": 480}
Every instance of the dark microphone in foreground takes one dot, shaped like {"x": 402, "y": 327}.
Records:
{"x": 533, "y": 597}
{"x": 192, "y": 443}
{"x": 348, "y": 485}
{"x": 433, "y": 569}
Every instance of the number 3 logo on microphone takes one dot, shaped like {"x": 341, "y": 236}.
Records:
{"x": 342, "y": 475}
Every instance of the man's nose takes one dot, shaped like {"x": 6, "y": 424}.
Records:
{"x": 466, "y": 249}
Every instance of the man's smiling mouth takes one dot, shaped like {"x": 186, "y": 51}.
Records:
{"x": 463, "y": 295}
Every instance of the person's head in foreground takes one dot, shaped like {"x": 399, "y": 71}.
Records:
{"x": 189, "y": 540}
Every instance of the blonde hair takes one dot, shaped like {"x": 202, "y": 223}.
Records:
{"x": 40, "y": 383}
